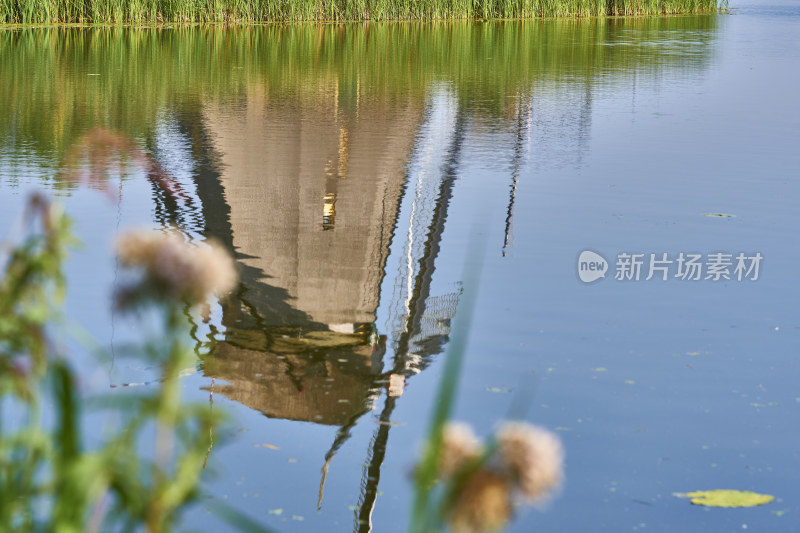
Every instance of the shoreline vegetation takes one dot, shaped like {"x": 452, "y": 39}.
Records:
{"x": 254, "y": 11}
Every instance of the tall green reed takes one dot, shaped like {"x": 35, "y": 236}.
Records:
{"x": 172, "y": 11}
{"x": 464, "y": 486}
{"x": 425, "y": 511}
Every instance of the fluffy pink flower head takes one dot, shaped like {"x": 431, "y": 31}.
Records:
{"x": 534, "y": 456}
{"x": 483, "y": 504}
{"x": 459, "y": 445}
{"x": 175, "y": 268}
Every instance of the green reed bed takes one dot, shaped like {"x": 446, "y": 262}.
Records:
{"x": 161, "y": 11}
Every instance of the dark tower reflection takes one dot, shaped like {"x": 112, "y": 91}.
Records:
{"x": 311, "y": 221}
{"x": 309, "y": 216}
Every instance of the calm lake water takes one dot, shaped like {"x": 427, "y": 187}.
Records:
{"x": 353, "y": 169}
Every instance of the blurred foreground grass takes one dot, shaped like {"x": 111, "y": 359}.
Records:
{"x": 144, "y": 473}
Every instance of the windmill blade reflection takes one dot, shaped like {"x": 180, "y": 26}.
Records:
{"x": 522, "y": 130}
{"x": 420, "y": 323}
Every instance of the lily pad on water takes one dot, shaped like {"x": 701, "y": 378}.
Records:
{"x": 726, "y": 498}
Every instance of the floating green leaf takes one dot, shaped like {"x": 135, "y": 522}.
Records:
{"x": 726, "y": 498}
